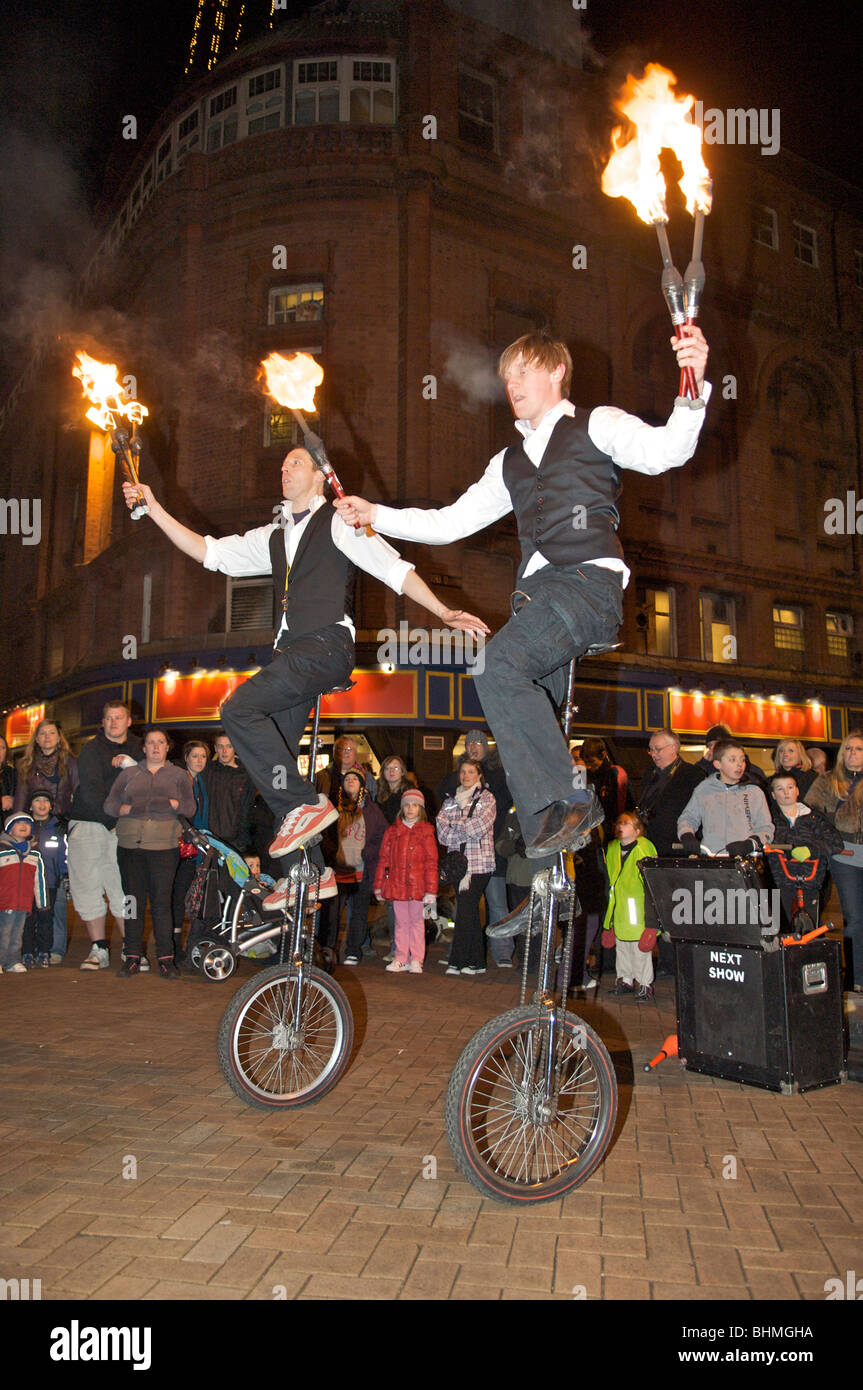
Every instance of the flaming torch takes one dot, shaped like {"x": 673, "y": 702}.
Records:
{"x": 291, "y": 381}
{"x": 661, "y": 120}
{"x": 100, "y": 385}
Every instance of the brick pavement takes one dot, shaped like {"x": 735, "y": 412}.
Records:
{"x": 104, "y": 1077}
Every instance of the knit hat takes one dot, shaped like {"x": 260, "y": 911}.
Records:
{"x": 413, "y": 794}
{"x": 716, "y": 732}
{"x": 40, "y": 791}
{"x": 15, "y": 817}
{"x": 476, "y": 736}
{"x": 357, "y": 771}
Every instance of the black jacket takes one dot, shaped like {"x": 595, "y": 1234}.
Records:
{"x": 97, "y": 775}
{"x": 662, "y": 797}
{"x": 231, "y": 794}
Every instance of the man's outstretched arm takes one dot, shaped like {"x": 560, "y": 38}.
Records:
{"x": 188, "y": 541}
{"x": 484, "y": 502}
{"x": 417, "y": 589}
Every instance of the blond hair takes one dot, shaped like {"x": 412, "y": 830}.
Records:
{"x": 541, "y": 351}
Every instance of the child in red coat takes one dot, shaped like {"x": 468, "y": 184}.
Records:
{"x": 407, "y": 876}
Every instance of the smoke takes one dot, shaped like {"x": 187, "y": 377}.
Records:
{"x": 473, "y": 369}
{"x": 46, "y": 238}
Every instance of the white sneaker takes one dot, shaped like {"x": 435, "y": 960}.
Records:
{"x": 16, "y": 969}
{"x": 473, "y": 970}
{"x": 56, "y": 958}
{"x": 398, "y": 967}
{"x": 285, "y": 891}
{"x": 414, "y": 967}
{"x": 98, "y": 959}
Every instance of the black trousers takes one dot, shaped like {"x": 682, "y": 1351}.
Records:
{"x": 148, "y": 873}
{"x": 38, "y": 936}
{"x": 182, "y": 883}
{"x": 468, "y": 938}
{"x": 525, "y": 675}
{"x": 266, "y": 716}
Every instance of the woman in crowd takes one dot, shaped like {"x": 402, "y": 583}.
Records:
{"x": 48, "y": 766}
{"x": 352, "y": 847}
{"x": 838, "y": 795}
{"x": 467, "y": 819}
{"x": 392, "y": 783}
{"x": 196, "y": 755}
{"x": 790, "y": 756}
{"x": 146, "y": 800}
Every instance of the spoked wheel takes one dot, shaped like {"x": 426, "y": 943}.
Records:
{"x": 268, "y": 1062}
{"x": 512, "y": 1141}
{"x": 199, "y": 950}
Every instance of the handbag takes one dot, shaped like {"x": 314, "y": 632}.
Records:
{"x": 453, "y": 867}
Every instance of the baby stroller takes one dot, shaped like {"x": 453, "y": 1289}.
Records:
{"x": 225, "y": 904}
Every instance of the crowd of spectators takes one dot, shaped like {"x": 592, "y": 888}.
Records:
{"x": 103, "y": 830}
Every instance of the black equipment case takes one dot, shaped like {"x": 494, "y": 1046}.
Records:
{"x": 748, "y": 1008}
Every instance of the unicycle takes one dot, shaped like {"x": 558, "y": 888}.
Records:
{"x": 286, "y": 1035}
{"x": 532, "y": 1100}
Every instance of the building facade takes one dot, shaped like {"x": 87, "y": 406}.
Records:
{"x": 400, "y": 188}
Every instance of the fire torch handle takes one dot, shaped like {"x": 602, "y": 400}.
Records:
{"x": 315, "y": 446}
{"x": 125, "y": 451}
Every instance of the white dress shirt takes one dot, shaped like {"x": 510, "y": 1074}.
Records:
{"x": 249, "y": 554}
{"x": 627, "y": 440}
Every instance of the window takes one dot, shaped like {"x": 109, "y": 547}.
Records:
{"x": 373, "y": 102}
{"x": 656, "y": 621}
{"x": 281, "y": 429}
{"x": 296, "y": 304}
{"x": 858, "y": 269}
{"x": 221, "y": 133}
{"x": 251, "y": 605}
{"x": 718, "y": 627}
{"x": 316, "y": 101}
{"x": 187, "y": 125}
{"x": 164, "y": 163}
{"x": 477, "y": 110}
{"x": 361, "y": 90}
{"x": 265, "y": 82}
{"x": 805, "y": 244}
{"x": 840, "y": 628}
{"x": 223, "y": 101}
{"x": 765, "y": 230}
{"x": 788, "y": 638}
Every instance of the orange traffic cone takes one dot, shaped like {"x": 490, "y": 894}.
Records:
{"x": 669, "y": 1049}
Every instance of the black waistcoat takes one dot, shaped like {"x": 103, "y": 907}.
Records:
{"x": 567, "y": 507}
{"x": 321, "y": 587}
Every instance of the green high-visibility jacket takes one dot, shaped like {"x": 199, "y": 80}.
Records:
{"x": 625, "y": 911}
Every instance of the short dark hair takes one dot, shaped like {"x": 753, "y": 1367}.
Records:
{"x": 111, "y": 704}
{"x": 723, "y": 745}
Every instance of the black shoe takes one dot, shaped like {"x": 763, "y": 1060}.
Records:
{"x": 131, "y": 966}
{"x": 567, "y": 826}
{"x": 622, "y": 988}
{"x": 645, "y": 994}
{"x": 167, "y": 968}
{"x": 515, "y": 924}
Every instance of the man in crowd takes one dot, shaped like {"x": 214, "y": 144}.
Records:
{"x": 92, "y": 843}
{"x": 311, "y": 554}
{"x": 562, "y": 481}
{"x": 665, "y": 789}
{"x": 231, "y": 794}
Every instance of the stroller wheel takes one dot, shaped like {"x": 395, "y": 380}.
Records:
{"x": 197, "y": 952}
{"x": 217, "y": 962}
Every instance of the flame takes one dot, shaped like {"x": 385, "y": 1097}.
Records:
{"x": 100, "y": 385}
{"x": 661, "y": 121}
{"x": 292, "y": 380}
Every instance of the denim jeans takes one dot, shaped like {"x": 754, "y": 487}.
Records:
{"x": 849, "y": 885}
{"x": 496, "y": 908}
{"x": 11, "y": 932}
{"x": 61, "y": 935}
{"x": 525, "y": 675}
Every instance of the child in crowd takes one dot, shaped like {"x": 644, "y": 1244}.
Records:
{"x": 22, "y": 882}
{"x": 732, "y": 814}
{"x": 407, "y": 876}
{"x": 44, "y": 939}
{"x": 253, "y": 863}
{"x": 624, "y": 917}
